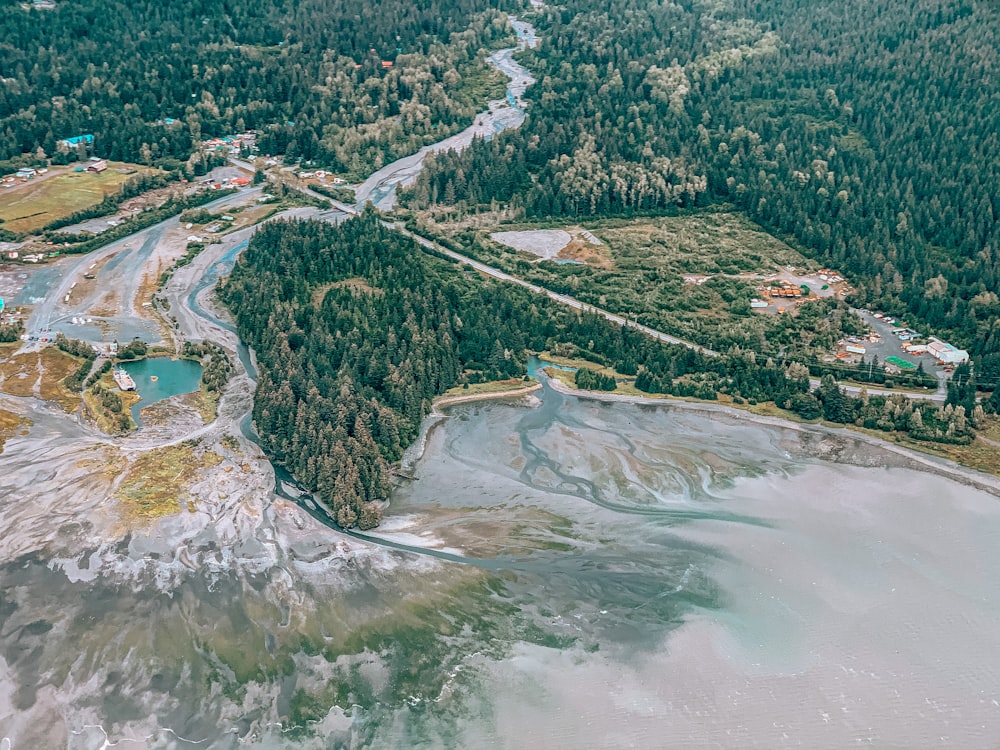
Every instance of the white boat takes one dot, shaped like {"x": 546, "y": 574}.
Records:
{"x": 123, "y": 379}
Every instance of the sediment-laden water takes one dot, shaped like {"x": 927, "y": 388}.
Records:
{"x": 566, "y": 574}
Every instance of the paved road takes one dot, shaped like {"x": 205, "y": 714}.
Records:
{"x": 564, "y": 299}
{"x": 939, "y": 395}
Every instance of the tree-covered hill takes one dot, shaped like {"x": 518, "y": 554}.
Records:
{"x": 355, "y": 333}
{"x": 867, "y": 132}
{"x": 122, "y": 70}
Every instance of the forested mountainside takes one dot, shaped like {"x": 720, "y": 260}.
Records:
{"x": 356, "y": 330}
{"x": 151, "y": 79}
{"x": 865, "y": 131}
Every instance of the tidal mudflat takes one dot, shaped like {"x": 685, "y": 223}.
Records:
{"x": 721, "y": 585}
{"x": 561, "y": 572}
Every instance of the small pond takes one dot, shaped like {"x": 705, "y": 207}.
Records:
{"x": 158, "y": 378}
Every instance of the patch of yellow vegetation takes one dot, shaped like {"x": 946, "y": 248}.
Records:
{"x": 494, "y": 386}
{"x": 10, "y": 425}
{"x": 156, "y": 483}
{"x": 106, "y": 461}
{"x": 147, "y": 288}
{"x": 57, "y": 365}
{"x": 20, "y": 374}
{"x": 582, "y": 250}
{"x": 40, "y": 373}
{"x": 208, "y": 404}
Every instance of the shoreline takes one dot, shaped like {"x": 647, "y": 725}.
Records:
{"x": 444, "y": 401}
{"x": 415, "y": 451}
{"x": 932, "y": 464}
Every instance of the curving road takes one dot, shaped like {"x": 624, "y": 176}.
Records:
{"x": 564, "y": 299}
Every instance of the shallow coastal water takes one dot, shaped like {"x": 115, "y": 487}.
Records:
{"x": 562, "y": 573}
{"x": 722, "y": 588}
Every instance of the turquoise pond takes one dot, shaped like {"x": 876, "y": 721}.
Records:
{"x": 161, "y": 377}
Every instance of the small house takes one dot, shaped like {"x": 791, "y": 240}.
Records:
{"x": 97, "y": 166}
{"x": 87, "y": 139}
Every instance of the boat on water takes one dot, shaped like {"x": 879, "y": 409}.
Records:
{"x": 123, "y": 379}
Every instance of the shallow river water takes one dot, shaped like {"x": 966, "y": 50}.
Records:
{"x": 562, "y": 574}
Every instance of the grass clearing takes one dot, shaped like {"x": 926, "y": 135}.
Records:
{"x": 29, "y": 207}
{"x": 493, "y": 386}
{"x": 156, "y": 483}
{"x": 693, "y": 275}
{"x": 208, "y": 404}
{"x": 56, "y": 366}
{"x": 41, "y": 374}
{"x": 19, "y": 373}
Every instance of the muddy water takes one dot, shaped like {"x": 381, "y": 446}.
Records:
{"x": 565, "y": 574}
{"x": 723, "y": 588}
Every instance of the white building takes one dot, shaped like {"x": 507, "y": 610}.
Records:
{"x": 947, "y": 353}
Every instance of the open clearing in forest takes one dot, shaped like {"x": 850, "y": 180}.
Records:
{"x": 693, "y": 274}
{"x": 29, "y": 207}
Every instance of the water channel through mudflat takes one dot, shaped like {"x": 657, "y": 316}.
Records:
{"x": 563, "y": 573}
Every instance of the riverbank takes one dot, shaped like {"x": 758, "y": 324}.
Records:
{"x": 501, "y": 114}
{"x": 922, "y": 461}
{"x": 444, "y": 401}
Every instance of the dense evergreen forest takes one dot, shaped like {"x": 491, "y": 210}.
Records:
{"x": 356, "y": 330}
{"x": 865, "y": 132}
{"x": 151, "y": 79}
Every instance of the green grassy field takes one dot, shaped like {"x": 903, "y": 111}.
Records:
{"x": 29, "y": 207}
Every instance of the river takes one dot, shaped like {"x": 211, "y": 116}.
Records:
{"x": 561, "y": 573}
{"x": 502, "y": 114}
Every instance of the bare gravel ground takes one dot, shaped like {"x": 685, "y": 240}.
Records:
{"x": 545, "y": 243}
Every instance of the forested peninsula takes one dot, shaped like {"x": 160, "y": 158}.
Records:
{"x": 356, "y": 330}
